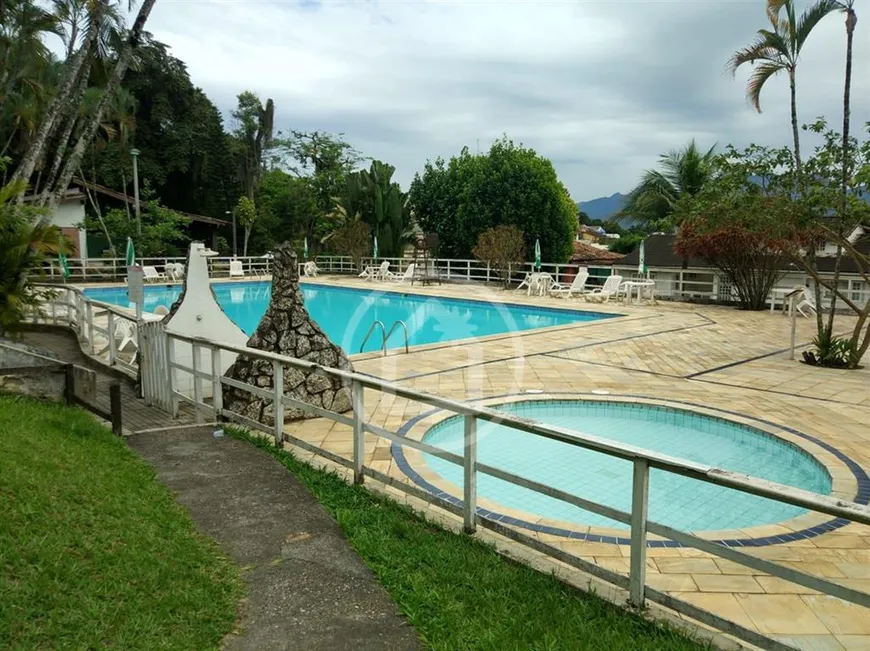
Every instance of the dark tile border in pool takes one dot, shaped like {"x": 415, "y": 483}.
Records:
{"x": 861, "y": 497}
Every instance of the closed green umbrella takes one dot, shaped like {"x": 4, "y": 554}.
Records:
{"x": 538, "y": 254}
{"x": 131, "y": 253}
{"x": 64, "y": 265}
{"x": 305, "y": 248}
{"x": 375, "y": 253}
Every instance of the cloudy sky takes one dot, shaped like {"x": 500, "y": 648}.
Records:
{"x": 601, "y": 88}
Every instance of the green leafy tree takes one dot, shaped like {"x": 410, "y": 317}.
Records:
{"x": 323, "y": 160}
{"x": 681, "y": 172}
{"x": 164, "y": 231}
{"x": 246, "y": 216}
{"x": 503, "y": 248}
{"x": 372, "y": 196}
{"x": 253, "y": 135}
{"x": 25, "y": 237}
{"x": 509, "y": 185}
{"x": 353, "y": 239}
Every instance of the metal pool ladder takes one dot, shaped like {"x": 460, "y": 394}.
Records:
{"x": 386, "y": 335}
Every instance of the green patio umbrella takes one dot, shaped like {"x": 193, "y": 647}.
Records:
{"x": 538, "y": 254}
{"x": 375, "y": 252}
{"x": 305, "y": 248}
{"x": 64, "y": 265}
{"x": 131, "y": 253}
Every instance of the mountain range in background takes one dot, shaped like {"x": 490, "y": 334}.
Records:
{"x": 605, "y": 208}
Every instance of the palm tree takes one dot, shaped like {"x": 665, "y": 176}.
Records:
{"x": 681, "y": 172}
{"x": 125, "y": 57}
{"x": 778, "y": 50}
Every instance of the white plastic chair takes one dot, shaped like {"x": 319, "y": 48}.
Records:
{"x": 806, "y": 300}
{"x": 311, "y": 269}
{"x": 576, "y": 287}
{"x": 161, "y": 310}
{"x": 236, "y": 269}
{"x": 383, "y": 271}
{"x": 150, "y": 274}
{"x": 604, "y": 293}
{"x": 126, "y": 331}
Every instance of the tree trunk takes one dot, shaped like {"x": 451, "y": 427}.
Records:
{"x": 811, "y": 249}
{"x": 124, "y": 181}
{"x": 60, "y": 104}
{"x": 245, "y": 243}
{"x": 851, "y": 21}
{"x": 69, "y": 125}
{"x": 99, "y": 214}
{"x": 90, "y": 129}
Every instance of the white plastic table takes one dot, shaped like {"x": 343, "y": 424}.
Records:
{"x": 630, "y": 285}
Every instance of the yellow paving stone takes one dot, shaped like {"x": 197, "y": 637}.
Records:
{"x": 841, "y": 617}
{"x": 672, "y": 582}
{"x": 781, "y": 614}
{"x": 855, "y": 642}
{"x": 725, "y": 605}
{"x": 687, "y": 566}
{"x": 726, "y": 583}
{"x": 812, "y": 642}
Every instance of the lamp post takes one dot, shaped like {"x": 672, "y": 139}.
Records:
{"x": 233, "y": 213}
{"x": 135, "y": 154}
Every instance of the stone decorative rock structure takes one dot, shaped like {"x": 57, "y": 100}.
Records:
{"x": 287, "y": 329}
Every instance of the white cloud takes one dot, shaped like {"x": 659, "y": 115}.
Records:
{"x": 602, "y": 88}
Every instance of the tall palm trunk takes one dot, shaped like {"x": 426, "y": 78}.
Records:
{"x": 851, "y": 21}
{"x": 798, "y": 172}
{"x": 90, "y": 130}
{"x": 60, "y": 104}
{"x": 69, "y": 123}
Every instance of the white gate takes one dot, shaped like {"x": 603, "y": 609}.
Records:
{"x": 154, "y": 365}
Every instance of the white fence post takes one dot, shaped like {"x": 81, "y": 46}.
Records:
{"x": 639, "y": 507}
{"x": 112, "y": 352}
{"x": 173, "y": 376}
{"x": 359, "y": 448}
{"x": 197, "y": 385}
{"x": 469, "y": 481}
{"x": 89, "y": 311}
{"x": 217, "y": 394}
{"x": 278, "y": 401}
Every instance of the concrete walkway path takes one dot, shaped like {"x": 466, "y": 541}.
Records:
{"x": 307, "y": 588}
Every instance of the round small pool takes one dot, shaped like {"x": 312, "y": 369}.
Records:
{"x": 686, "y": 504}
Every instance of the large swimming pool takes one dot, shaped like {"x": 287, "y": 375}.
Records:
{"x": 346, "y": 314}
{"x": 683, "y": 503}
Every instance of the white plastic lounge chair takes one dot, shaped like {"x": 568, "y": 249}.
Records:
{"x": 126, "y": 331}
{"x": 400, "y": 278}
{"x": 311, "y": 270}
{"x": 577, "y": 287}
{"x": 161, "y": 310}
{"x": 525, "y": 282}
{"x": 383, "y": 271}
{"x": 368, "y": 273}
{"x": 605, "y": 292}
{"x": 236, "y": 270}
{"x": 150, "y": 274}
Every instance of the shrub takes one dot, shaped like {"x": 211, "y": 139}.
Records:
{"x": 501, "y": 247}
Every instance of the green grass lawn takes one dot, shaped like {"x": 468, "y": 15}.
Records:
{"x": 459, "y": 593}
{"x": 94, "y": 552}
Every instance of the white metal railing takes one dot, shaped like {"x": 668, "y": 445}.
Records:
{"x": 89, "y": 319}
{"x": 115, "y": 269}
{"x": 642, "y": 460}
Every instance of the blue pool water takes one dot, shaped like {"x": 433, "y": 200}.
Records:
{"x": 346, "y": 314}
{"x": 680, "y": 502}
